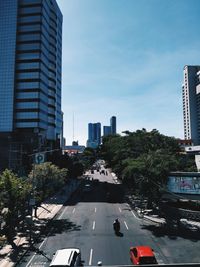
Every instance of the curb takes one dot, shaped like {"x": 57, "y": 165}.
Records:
{"x": 140, "y": 214}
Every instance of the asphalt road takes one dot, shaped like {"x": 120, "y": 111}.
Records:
{"x": 86, "y": 222}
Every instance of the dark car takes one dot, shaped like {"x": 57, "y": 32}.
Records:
{"x": 87, "y": 188}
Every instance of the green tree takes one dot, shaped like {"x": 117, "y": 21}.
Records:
{"x": 14, "y": 197}
{"x": 148, "y": 173}
{"x": 47, "y": 179}
{"x": 88, "y": 157}
{"x": 77, "y": 169}
{"x": 144, "y": 159}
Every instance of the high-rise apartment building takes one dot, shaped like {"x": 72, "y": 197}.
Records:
{"x": 30, "y": 78}
{"x": 113, "y": 125}
{"x": 106, "y": 130}
{"x": 94, "y": 135}
{"x": 191, "y": 103}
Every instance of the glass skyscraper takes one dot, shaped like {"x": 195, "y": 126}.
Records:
{"x": 30, "y": 77}
{"x": 94, "y": 135}
{"x": 113, "y": 125}
{"x": 106, "y": 130}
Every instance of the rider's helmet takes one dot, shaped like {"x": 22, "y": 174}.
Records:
{"x": 116, "y": 221}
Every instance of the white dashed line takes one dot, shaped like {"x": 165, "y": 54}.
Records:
{"x": 90, "y": 260}
{"x": 35, "y": 253}
{"x": 93, "y": 226}
{"x": 133, "y": 214}
{"x": 73, "y": 210}
{"x": 95, "y": 209}
{"x": 126, "y": 225}
{"x": 120, "y": 209}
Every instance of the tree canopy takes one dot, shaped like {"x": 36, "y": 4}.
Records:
{"x": 15, "y": 193}
{"x": 47, "y": 178}
{"x": 13, "y": 199}
{"x": 144, "y": 159}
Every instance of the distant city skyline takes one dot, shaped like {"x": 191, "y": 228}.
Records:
{"x": 95, "y": 132}
{"x": 126, "y": 58}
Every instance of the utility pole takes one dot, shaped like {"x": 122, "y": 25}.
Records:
{"x": 38, "y": 158}
{"x": 73, "y": 128}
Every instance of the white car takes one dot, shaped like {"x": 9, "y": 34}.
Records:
{"x": 66, "y": 257}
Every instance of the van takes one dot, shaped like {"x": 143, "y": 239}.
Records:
{"x": 66, "y": 257}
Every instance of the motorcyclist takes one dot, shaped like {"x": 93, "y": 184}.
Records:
{"x": 116, "y": 225}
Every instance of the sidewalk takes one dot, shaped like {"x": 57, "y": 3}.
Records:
{"x": 45, "y": 212}
{"x": 144, "y": 214}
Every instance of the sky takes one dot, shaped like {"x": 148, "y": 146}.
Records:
{"x": 125, "y": 58}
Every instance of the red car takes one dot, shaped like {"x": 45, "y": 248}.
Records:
{"x": 142, "y": 255}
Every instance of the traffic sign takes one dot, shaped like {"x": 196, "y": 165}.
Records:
{"x": 39, "y": 158}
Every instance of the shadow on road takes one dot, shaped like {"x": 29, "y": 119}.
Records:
{"x": 120, "y": 234}
{"x": 59, "y": 227}
{"x": 100, "y": 192}
{"x": 173, "y": 232}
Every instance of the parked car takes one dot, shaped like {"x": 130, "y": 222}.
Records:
{"x": 87, "y": 188}
{"x": 66, "y": 257}
{"x": 142, "y": 255}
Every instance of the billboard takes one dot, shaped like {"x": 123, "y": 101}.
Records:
{"x": 192, "y": 148}
{"x": 186, "y": 185}
{"x": 197, "y": 161}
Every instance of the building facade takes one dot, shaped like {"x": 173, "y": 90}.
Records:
{"x": 106, "y": 130}
{"x": 191, "y": 103}
{"x": 30, "y": 78}
{"x": 113, "y": 125}
{"x": 94, "y": 135}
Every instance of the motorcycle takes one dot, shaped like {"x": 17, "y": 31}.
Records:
{"x": 116, "y": 227}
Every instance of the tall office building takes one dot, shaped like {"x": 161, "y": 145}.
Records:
{"x": 30, "y": 78}
{"x": 94, "y": 135}
{"x": 113, "y": 125}
{"x": 106, "y": 130}
{"x": 191, "y": 103}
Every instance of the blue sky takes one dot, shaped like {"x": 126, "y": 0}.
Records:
{"x": 126, "y": 58}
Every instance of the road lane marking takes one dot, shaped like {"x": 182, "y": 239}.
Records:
{"x": 120, "y": 210}
{"x": 133, "y": 214}
{"x": 90, "y": 260}
{"x": 159, "y": 260}
{"x": 62, "y": 213}
{"x": 95, "y": 210}
{"x": 35, "y": 253}
{"x": 93, "y": 226}
{"x": 73, "y": 210}
{"x": 126, "y": 225}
